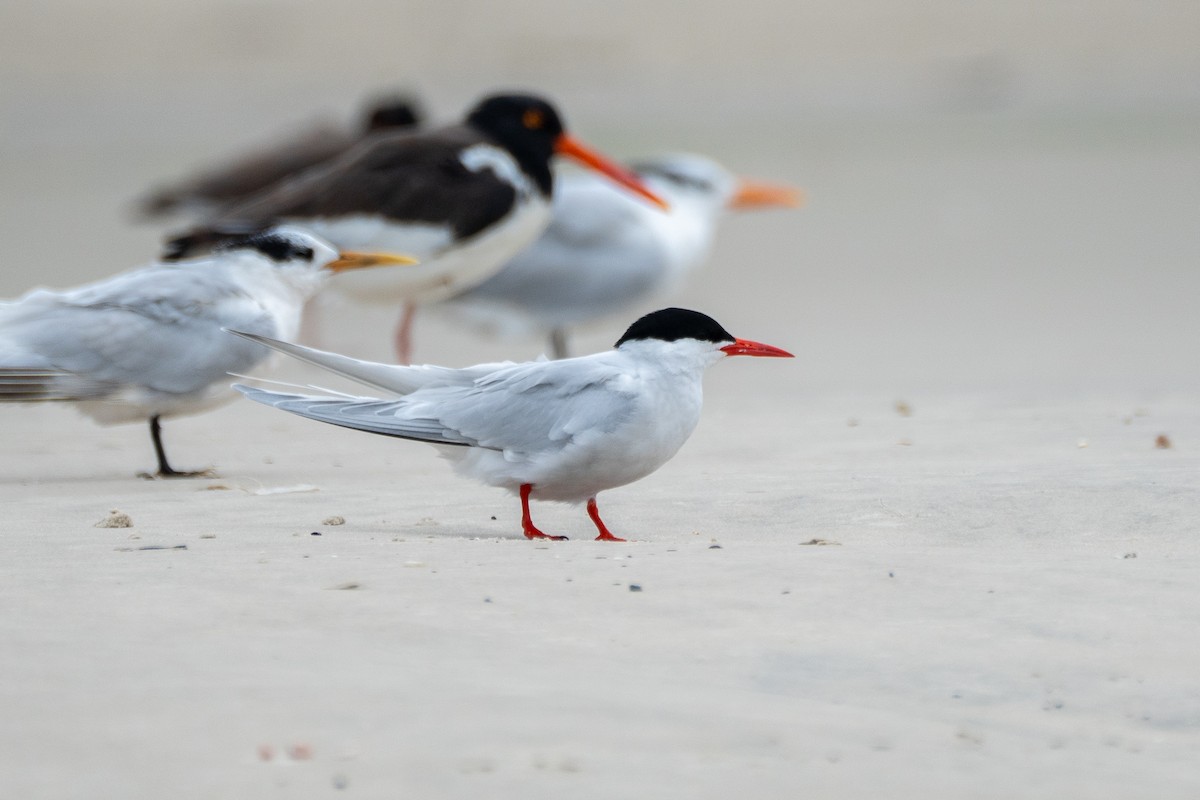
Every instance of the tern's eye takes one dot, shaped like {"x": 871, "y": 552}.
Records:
{"x": 533, "y": 119}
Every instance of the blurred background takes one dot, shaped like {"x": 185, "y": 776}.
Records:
{"x": 1002, "y": 195}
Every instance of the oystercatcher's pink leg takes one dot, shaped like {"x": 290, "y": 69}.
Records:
{"x": 527, "y": 526}
{"x": 403, "y": 336}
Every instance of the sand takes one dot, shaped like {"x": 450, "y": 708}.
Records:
{"x": 998, "y": 612}
{"x": 993, "y": 312}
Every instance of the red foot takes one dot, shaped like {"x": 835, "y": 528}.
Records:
{"x": 594, "y": 513}
{"x": 533, "y": 533}
{"x": 527, "y": 526}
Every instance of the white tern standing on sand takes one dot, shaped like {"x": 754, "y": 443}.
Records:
{"x": 148, "y": 344}
{"x": 550, "y": 430}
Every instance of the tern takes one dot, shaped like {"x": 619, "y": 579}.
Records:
{"x": 464, "y": 199}
{"x": 147, "y": 344}
{"x": 547, "y": 430}
{"x": 605, "y": 253}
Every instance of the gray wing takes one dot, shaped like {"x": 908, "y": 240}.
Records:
{"x": 529, "y": 407}
{"x": 385, "y": 417}
{"x": 159, "y": 328}
{"x": 517, "y": 409}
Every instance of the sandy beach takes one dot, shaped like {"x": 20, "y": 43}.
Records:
{"x": 949, "y": 551}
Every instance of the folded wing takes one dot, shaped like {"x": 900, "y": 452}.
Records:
{"x": 520, "y": 409}
{"x": 159, "y": 329}
{"x": 385, "y": 417}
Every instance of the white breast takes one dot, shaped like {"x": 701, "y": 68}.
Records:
{"x": 666, "y": 414}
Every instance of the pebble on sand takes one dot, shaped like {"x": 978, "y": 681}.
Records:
{"x": 115, "y": 519}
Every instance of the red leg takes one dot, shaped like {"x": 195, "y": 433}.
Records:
{"x": 403, "y": 336}
{"x": 527, "y": 526}
{"x": 594, "y": 513}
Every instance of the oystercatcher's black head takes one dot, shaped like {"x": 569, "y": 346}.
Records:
{"x": 526, "y": 126}
{"x": 531, "y": 129}
{"x": 392, "y": 112}
{"x": 673, "y": 324}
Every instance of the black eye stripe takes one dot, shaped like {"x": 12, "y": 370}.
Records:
{"x": 273, "y": 246}
{"x": 678, "y": 178}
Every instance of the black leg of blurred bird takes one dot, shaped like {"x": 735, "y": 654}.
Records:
{"x": 558, "y": 343}
{"x": 164, "y": 469}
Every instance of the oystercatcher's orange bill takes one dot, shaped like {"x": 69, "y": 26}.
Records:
{"x": 568, "y": 145}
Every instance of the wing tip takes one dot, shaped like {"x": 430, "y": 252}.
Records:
{"x": 254, "y": 337}
{"x": 260, "y": 395}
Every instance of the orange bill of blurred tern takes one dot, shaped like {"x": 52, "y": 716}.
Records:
{"x": 545, "y": 430}
{"x": 148, "y": 344}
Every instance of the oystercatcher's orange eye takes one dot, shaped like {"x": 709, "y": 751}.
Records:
{"x": 533, "y": 119}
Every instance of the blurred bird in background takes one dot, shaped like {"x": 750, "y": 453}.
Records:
{"x": 464, "y": 199}
{"x": 148, "y": 344}
{"x": 604, "y": 254}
